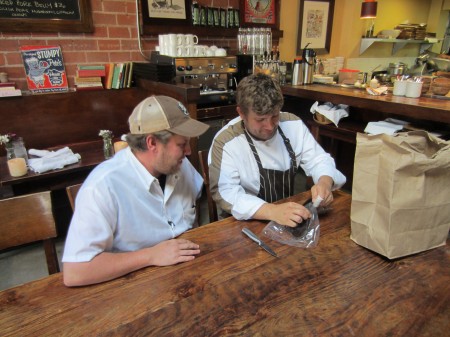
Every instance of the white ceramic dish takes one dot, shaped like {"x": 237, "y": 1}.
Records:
{"x": 389, "y": 33}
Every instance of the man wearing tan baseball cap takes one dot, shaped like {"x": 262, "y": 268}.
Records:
{"x": 131, "y": 207}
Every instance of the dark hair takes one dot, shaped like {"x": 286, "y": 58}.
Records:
{"x": 259, "y": 93}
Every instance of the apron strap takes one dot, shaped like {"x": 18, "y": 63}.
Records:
{"x": 274, "y": 183}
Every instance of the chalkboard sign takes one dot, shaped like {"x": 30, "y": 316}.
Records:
{"x": 45, "y": 16}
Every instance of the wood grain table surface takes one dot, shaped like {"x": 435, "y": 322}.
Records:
{"x": 235, "y": 288}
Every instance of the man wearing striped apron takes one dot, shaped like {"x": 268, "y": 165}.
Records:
{"x": 254, "y": 158}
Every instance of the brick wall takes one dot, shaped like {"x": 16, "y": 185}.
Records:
{"x": 115, "y": 39}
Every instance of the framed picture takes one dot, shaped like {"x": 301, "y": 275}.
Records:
{"x": 260, "y": 13}
{"x": 165, "y": 12}
{"x": 315, "y": 25}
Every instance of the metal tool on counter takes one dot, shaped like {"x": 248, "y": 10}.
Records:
{"x": 255, "y": 238}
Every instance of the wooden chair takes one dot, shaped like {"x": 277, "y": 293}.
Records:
{"x": 212, "y": 208}
{"x": 72, "y": 194}
{"x": 27, "y": 219}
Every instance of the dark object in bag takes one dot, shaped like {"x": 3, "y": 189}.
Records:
{"x": 303, "y": 227}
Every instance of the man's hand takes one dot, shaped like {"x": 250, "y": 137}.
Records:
{"x": 288, "y": 214}
{"x": 323, "y": 189}
{"x": 173, "y": 251}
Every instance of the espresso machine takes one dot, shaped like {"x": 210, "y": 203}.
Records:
{"x": 214, "y": 76}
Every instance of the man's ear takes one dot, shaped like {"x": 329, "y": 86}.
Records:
{"x": 151, "y": 142}
{"x": 239, "y": 111}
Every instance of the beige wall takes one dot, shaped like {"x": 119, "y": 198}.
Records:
{"x": 348, "y": 27}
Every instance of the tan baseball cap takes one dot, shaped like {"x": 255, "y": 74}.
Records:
{"x": 158, "y": 113}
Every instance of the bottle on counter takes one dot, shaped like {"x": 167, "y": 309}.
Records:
{"x": 297, "y": 72}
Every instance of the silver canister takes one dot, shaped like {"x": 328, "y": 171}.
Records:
{"x": 309, "y": 63}
{"x": 297, "y": 72}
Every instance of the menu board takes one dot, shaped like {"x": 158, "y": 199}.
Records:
{"x": 44, "y": 9}
{"x": 45, "y": 16}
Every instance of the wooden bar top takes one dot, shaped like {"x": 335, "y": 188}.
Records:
{"x": 430, "y": 109}
{"x": 235, "y": 288}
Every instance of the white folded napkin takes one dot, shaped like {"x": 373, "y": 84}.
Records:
{"x": 376, "y": 128}
{"x": 50, "y": 154}
{"x": 333, "y": 112}
{"x": 52, "y": 160}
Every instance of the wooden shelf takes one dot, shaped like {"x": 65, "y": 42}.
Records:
{"x": 199, "y": 31}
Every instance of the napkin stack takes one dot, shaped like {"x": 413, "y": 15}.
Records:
{"x": 52, "y": 160}
{"x": 386, "y": 127}
{"x": 333, "y": 112}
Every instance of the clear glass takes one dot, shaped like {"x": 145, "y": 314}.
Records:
{"x": 18, "y": 149}
{"x": 283, "y": 70}
{"x": 10, "y": 153}
{"x": 108, "y": 148}
{"x": 268, "y": 38}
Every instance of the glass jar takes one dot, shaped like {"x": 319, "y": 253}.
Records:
{"x": 108, "y": 148}
{"x": 16, "y": 149}
{"x": 10, "y": 152}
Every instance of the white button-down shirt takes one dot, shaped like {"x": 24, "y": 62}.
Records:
{"x": 121, "y": 207}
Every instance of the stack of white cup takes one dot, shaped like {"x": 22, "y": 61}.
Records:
{"x": 186, "y": 45}
{"x": 179, "y": 45}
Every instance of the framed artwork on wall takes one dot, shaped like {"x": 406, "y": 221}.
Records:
{"x": 163, "y": 12}
{"x": 262, "y": 13}
{"x": 315, "y": 25}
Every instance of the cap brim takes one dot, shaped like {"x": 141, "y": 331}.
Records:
{"x": 190, "y": 128}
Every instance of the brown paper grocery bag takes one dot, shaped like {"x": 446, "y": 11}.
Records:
{"x": 401, "y": 193}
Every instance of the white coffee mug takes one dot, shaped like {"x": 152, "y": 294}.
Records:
{"x": 399, "y": 88}
{"x": 189, "y": 51}
{"x": 190, "y": 39}
{"x": 180, "y": 39}
{"x": 172, "y": 51}
{"x": 220, "y": 52}
{"x": 162, "y": 39}
{"x": 199, "y": 50}
{"x": 172, "y": 39}
{"x": 413, "y": 89}
{"x": 180, "y": 51}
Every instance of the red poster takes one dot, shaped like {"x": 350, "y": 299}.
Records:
{"x": 44, "y": 69}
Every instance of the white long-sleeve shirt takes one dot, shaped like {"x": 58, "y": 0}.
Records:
{"x": 121, "y": 207}
{"x": 234, "y": 173}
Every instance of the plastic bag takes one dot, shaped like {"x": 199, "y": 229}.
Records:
{"x": 305, "y": 235}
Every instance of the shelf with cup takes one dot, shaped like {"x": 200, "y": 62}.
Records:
{"x": 199, "y": 31}
{"x": 397, "y": 44}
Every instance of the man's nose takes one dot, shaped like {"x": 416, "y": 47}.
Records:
{"x": 269, "y": 124}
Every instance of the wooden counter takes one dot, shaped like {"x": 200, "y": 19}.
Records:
{"x": 424, "y": 113}
{"x": 234, "y": 288}
{"x": 430, "y": 109}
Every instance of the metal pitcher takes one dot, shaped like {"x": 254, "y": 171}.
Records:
{"x": 309, "y": 63}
